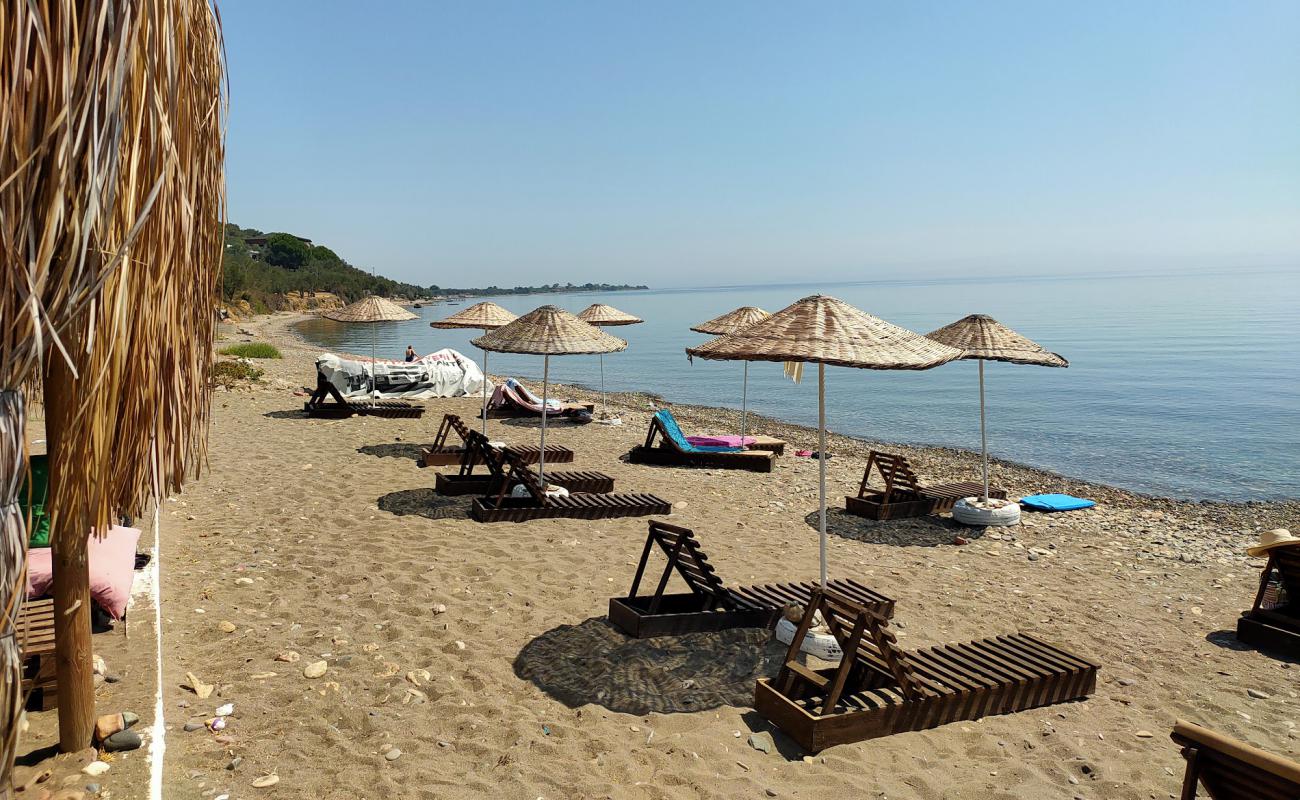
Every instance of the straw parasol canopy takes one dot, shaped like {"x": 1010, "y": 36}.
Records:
{"x": 370, "y": 309}
{"x": 484, "y": 316}
{"x": 981, "y": 337}
{"x": 824, "y": 330}
{"x": 732, "y": 321}
{"x": 606, "y": 316}
{"x": 549, "y": 331}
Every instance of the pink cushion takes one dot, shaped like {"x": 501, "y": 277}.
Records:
{"x": 112, "y": 569}
{"x": 727, "y": 440}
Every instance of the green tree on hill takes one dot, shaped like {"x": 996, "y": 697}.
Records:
{"x": 283, "y": 250}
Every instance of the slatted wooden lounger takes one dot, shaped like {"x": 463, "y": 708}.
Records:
{"x": 674, "y": 450}
{"x": 903, "y": 495}
{"x": 1276, "y": 628}
{"x": 1233, "y": 770}
{"x": 479, "y": 451}
{"x": 341, "y": 407}
{"x": 35, "y": 630}
{"x": 881, "y": 689}
{"x": 442, "y": 454}
{"x": 709, "y": 605}
{"x": 498, "y": 506}
{"x": 509, "y": 403}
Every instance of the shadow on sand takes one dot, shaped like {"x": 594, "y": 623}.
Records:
{"x": 291, "y": 413}
{"x": 930, "y": 531}
{"x": 594, "y": 662}
{"x": 424, "y": 503}
{"x": 394, "y": 450}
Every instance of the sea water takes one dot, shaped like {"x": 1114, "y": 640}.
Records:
{"x": 1178, "y": 385}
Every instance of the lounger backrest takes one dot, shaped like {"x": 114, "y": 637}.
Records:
{"x": 1286, "y": 560}
{"x": 458, "y": 425}
{"x": 444, "y": 428}
{"x": 877, "y": 648}
{"x": 479, "y": 450}
{"x": 1233, "y": 770}
{"x": 687, "y": 558}
{"x": 894, "y": 470}
{"x": 672, "y": 432}
{"x": 522, "y": 473}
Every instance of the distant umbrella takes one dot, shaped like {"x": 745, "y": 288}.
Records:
{"x": 729, "y": 323}
{"x": 370, "y": 310}
{"x": 605, "y": 316}
{"x": 981, "y": 337}
{"x": 824, "y": 330}
{"x": 549, "y": 331}
{"x": 485, "y": 316}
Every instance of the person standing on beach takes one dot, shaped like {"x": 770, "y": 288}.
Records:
{"x": 410, "y": 353}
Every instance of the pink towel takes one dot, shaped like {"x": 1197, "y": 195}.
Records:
{"x": 727, "y": 440}
{"x": 112, "y": 569}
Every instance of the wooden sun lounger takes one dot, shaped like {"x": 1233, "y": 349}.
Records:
{"x": 669, "y": 453}
{"x": 35, "y": 631}
{"x": 442, "y": 454}
{"x": 710, "y": 605}
{"x": 479, "y": 451}
{"x": 903, "y": 495}
{"x": 1233, "y": 770}
{"x": 341, "y": 407}
{"x": 511, "y": 406}
{"x": 1276, "y": 628}
{"x": 498, "y": 506}
{"x": 879, "y": 689}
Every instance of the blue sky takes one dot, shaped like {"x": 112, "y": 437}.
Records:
{"x": 680, "y": 144}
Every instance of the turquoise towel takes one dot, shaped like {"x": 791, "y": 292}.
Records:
{"x": 1055, "y": 502}
{"x": 674, "y": 432}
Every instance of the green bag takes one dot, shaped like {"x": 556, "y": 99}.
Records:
{"x": 31, "y": 499}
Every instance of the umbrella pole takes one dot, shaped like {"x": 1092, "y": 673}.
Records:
{"x": 984, "y": 441}
{"x": 372, "y": 365}
{"x": 485, "y": 355}
{"x": 744, "y": 396}
{"x": 821, "y": 462}
{"x": 541, "y": 458}
{"x": 604, "y": 411}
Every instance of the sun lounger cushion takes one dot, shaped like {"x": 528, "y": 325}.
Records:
{"x": 1055, "y": 502}
{"x": 112, "y": 569}
{"x": 674, "y": 432}
{"x": 722, "y": 440}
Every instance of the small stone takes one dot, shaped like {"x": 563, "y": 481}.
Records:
{"x": 226, "y": 626}
{"x": 201, "y": 689}
{"x": 266, "y": 781}
{"x": 960, "y": 540}
{"x": 190, "y": 727}
{"x": 771, "y": 792}
{"x": 440, "y": 609}
{"x": 96, "y": 768}
{"x": 1257, "y": 694}
{"x": 1032, "y": 556}
{"x": 1196, "y": 611}
{"x": 460, "y": 645}
{"x": 234, "y": 763}
{"x": 288, "y": 657}
{"x": 1144, "y": 734}
{"x": 444, "y": 745}
{"x": 762, "y": 741}
{"x": 393, "y": 754}
{"x": 244, "y": 581}
{"x": 314, "y": 669}
{"x": 93, "y": 788}
{"x": 1126, "y": 681}
{"x": 122, "y": 741}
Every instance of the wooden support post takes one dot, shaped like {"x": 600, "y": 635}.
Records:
{"x": 68, "y": 541}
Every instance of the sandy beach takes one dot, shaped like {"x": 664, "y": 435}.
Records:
{"x": 481, "y": 652}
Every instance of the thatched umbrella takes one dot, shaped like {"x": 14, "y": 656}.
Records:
{"x": 605, "y": 316}
{"x": 729, "y": 323}
{"x": 485, "y": 316}
{"x": 824, "y": 330}
{"x": 549, "y": 331}
{"x": 370, "y": 310}
{"x": 983, "y": 338}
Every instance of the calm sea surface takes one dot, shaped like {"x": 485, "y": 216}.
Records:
{"x": 1186, "y": 386}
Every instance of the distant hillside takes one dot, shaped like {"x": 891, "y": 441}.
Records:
{"x": 275, "y": 271}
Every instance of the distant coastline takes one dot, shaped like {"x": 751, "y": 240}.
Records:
{"x": 553, "y": 288}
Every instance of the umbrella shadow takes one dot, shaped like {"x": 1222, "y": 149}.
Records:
{"x": 536, "y": 422}
{"x": 595, "y": 663}
{"x": 292, "y": 413}
{"x": 415, "y": 452}
{"x": 928, "y": 531}
{"x": 1227, "y": 639}
{"x": 424, "y": 503}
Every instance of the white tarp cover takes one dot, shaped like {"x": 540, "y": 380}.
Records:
{"x": 445, "y": 373}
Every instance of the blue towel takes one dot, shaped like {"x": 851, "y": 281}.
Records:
{"x": 1055, "y": 502}
{"x": 674, "y": 432}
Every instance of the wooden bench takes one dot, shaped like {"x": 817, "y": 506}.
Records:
{"x": 1231, "y": 770}
{"x": 903, "y": 495}
{"x": 35, "y": 632}
{"x": 479, "y": 451}
{"x": 710, "y": 605}
{"x": 498, "y": 506}
{"x": 1276, "y": 628}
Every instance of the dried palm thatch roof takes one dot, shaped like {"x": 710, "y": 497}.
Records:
{"x": 605, "y": 316}
{"x": 826, "y": 330}
{"x": 370, "y": 309}
{"x": 549, "y": 331}
{"x": 484, "y": 316}
{"x": 732, "y": 321}
{"x": 981, "y": 336}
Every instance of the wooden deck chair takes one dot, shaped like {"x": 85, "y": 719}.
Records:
{"x": 903, "y": 495}
{"x": 442, "y": 454}
{"x": 316, "y": 405}
{"x": 35, "y": 631}
{"x": 674, "y": 450}
{"x": 879, "y": 689}
{"x": 1231, "y": 770}
{"x": 510, "y": 401}
{"x": 498, "y": 506}
{"x": 479, "y": 451}
{"x": 710, "y": 605}
{"x": 1275, "y": 627}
